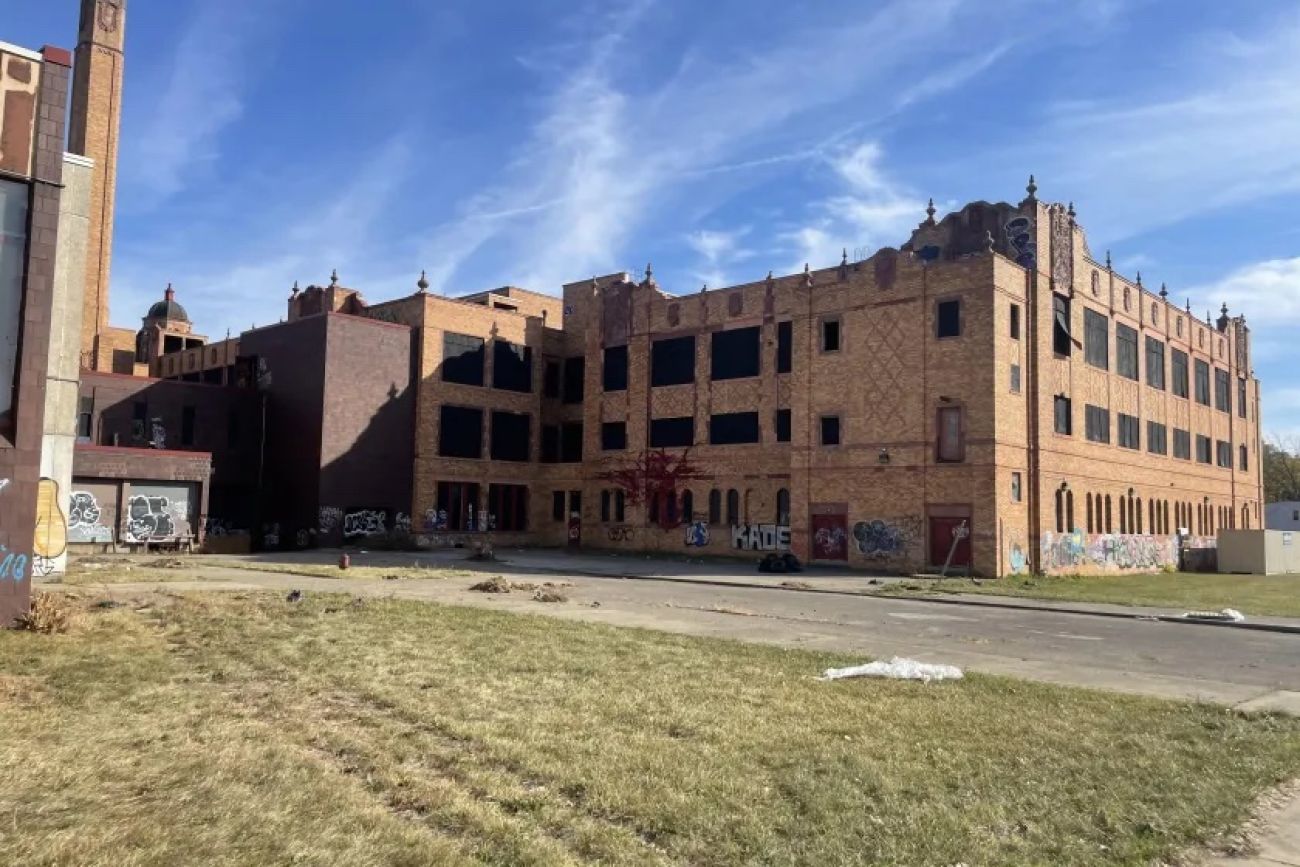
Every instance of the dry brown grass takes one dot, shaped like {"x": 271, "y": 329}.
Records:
{"x": 239, "y": 729}
{"x": 371, "y": 573}
{"x": 49, "y": 613}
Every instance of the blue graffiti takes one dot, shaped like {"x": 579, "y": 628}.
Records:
{"x": 878, "y": 539}
{"x": 1020, "y": 236}
{"x": 13, "y": 566}
{"x": 697, "y": 534}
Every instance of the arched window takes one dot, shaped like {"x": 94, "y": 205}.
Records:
{"x": 715, "y": 507}
{"x": 1151, "y": 516}
{"x": 688, "y": 506}
{"x": 1164, "y": 512}
{"x": 1241, "y": 458}
{"x": 1245, "y": 516}
{"x": 652, "y": 508}
{"x": 783, "y": 507}
{"x": 1108, "y": 523}
{"x": 733, "y": 507}
{"x": 1138, "y": 510}
{"x": 1060, "y": 511}
{"x": 670, "y": 508}
{"x": 1087, "y": 504}
{"x": 1123, "y": 515}
{"x": 1069, "y": 512}
{"x": 620, "y": 504}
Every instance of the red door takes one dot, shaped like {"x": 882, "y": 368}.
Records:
{"x": 943, "y": 531}
{"x": 830, "y": 537}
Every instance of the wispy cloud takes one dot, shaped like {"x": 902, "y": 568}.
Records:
{"x": 718, "y": 249}
{"x": 1268, "y": 293}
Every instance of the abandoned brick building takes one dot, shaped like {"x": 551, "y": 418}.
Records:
{"x": 987, "y": 396}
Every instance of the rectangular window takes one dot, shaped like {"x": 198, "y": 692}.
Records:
{"x": 1243, "y": 463}
{"x": 1015, "y": 379}
{"x": 735, "y": 353}
{"x": 1016, "y": 488}
{"x": 783, "y": 425}
{"x": 462, "y": 359}
{"x": 1202, "y": 382}
{"x": 458, "y": 501}
{"x": 1223, "y": 454}
{"x": 512, "y": 366}
{"x": 1130, "y": 431}
{"x": 550, "y": 443}
{"x": 613, "y": 436}
{"x": 672, "y": 361}
{"x": 1126, "y": 351}
{"x": 672, "y": 432}
{"x": 1178, "y": 372}
{"x": 1155, "y": 363}
{"x": 1241, "y": 398}
{"x": 1157, "y": 442}
{"x": 551, "y": 380}
{"x": 1222, "y": 396}
{"x": 139, "y": 420}
{"x": 950, "y": 445}
{"x": 1064, "y": 422}
{"x": 187, "y": 425}
{"x": 784, "y": 347}
{"x": 1204, "y": 451}
{"x": 557, "y": 506}
{"x": 830, "y": 430}
{"x": 1096, "y": 339}
{"x": 947, "y": 318}
{"x": 613, "y": 374}
{"x": 511, "y": 436}
{"x": 1061, "y": 339}
{"x": 14, "y": 199}
{"x": 1096, "y": 424}
{"x": 460, "y": 433}
{"x": 85, "y": 412}
{"x": 575, "y": 379}
{"x": 830, "y": 335}
{"x": 571, "y": 442}
{"x": 732, "y": 428}
{"x": 508, "y": 507}
{"x": 1015, "y": 321}
{"x": 1182, "y": 444}
{"x": 606, "y": 505}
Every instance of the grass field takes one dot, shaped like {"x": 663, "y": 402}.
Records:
{"x": 1261, "y": 595}
{"x": 240, "y": 729}
{"x": 126, "y": 570}
{"x": 317, "y": 570}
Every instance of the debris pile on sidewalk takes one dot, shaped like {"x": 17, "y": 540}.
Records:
{"x": 541, "y": 592}
{"x": 1229, "y": 615}
{"x": 898, "y": 668}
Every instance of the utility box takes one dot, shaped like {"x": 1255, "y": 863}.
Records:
{"x": 1259, "y": 552}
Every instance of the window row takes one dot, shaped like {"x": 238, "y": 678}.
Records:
{"x": 1125, "y": 514}
{"x": 464, "y": 362}
{"x": 460, "y": 435}
{"x": 727, "y": 428}
{"x": 1097, "y": 429}
{"x": 459, "y": 508}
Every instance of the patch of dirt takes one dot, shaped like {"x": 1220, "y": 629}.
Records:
{"x": 496, "y": 584}
{"x": 541, "y": 595}
{"x": 167, "y": 563}
{"x": 499, "y": 584}
{"x": 797, "y": 585}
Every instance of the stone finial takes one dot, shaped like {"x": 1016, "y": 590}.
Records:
{"x": 1070, "y": 210}
{"x": 844, "y": 257}
{"x": 169, "y": 294}
{"x": 293, "y": 293}
{"x": 930, "y": 211}
{"x": 988, "y": 241}
{"x": 334, "y": 278}
{"x": 807, "y": 274}
{"x": 704, "y": 287}
{"x": 1032, "y": 189}
{"x": 1189, "y": 305}
{"x": 1164, "y": 292}
{"x": 1108, "y": 265}
{"x": 649, "y": 273}
{"x": 1224, "y": 309}
{"x": 1223, "y": 318}
{"x": 423, "y": 283}
{"x": 771, "y": 281}
{"x": 1139, "y": 278}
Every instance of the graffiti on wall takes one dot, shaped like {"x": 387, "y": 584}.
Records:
{"x": 51, "y": 539}
{"x": 1062, "y": 552}
{"x": 271, "y": 535}
{"x": 883, "y": 539}
{"x": 435, "y": 519}
{"x": 149, "y": 519}
{"x": 329, "y": 519}
{"x": 84, "y": 524}
{"x": 619, "y": 533}
{"x": 4, "y": 483}
{"x": 1020, "y": 238}
{"x": 760, "y": 537}
{"x": 158, "y": 434}
{"x": 1017, "y": 556}
{"x": 365, "y": 522}
{"x": 402, "y": 523}
{"x": 13, "y": 566}
{"x": 697, "y": 534}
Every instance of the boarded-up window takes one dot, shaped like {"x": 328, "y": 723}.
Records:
{"x": 735, "y": 353}
{"x": 730, "y": 428}
{"x": 614, "y": 372}
{"x": 672, "y": 432}
{"x": 512, "y": 368}
{"x": 672, "y": 361}
{"x": 462, "y": 359}
{"x": 951, "y": 445}
{"x": 460, "y": 433}
{"x": 511, "y": 435}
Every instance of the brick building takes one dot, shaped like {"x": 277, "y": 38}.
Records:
{"x": 988, "y": 396}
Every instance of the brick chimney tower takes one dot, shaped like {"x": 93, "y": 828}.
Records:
{"x": 93, "y": 133}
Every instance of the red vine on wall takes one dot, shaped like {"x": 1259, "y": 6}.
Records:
{"x": 652, "y": 472}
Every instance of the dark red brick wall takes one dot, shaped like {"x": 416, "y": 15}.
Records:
{"x": 20, "y": 443}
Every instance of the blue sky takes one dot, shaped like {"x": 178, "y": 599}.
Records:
{"x": 536, "y": 143}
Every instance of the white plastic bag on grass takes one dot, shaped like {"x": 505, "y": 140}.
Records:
{"x": 897, "y": 668}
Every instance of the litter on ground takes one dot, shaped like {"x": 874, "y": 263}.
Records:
{"x": 1231, "y": 615}
{"x": 897, "y": 668}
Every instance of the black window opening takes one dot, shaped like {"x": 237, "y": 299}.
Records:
{"x": 606, "y": 505}
{"x": 783, "y": 507}
{"x": 460, "y": 432}
{"x": 783, "y": 425}
{"x": 830, "y": 430}
{"x": 1126, "y": 351}
{"x": 85, "y": 411}
{"x": 613, "y": 505}
{"x": 733, "y": 428}
{"x": 571, "y": 443}
{"x": 557, "y": 506}
{"x": 508, "y": 507}
{"x": 830, "y": 335}
{"x": 1096, "y": 422}
{"x": 1157, "y": 442}
{"x": 462, "y": 359}
{"x": 672, "y": 361}
{"x": 1183, "y": 444}
{"x": 458, "y": 503}
{"x": 232, "y": 429}
{"x": 575, "y": 376}
{"x": 575, "y": 503}
{"x": 1015, "y": 321}
{"x": 1061, "y": 339}
{"x": 550, "y": 443}
{"x": 139, "y": 420}
{"x": 1241, "y": 398}
{"x": 1223, "y": 454}
{"x": 187, "y": 425}
{"x": 1222, "y": 395}
{"x": 613, "y": 374}
{"x": 1096, "y": 339}
{"x": 551, "y": 380}
{"x": 715, "y": 507}
{"x": 1243, "y": 462}
{"x": 1062, "y": 415}
{"x": 784, "y": 347}
{"x": 1204, "y": 450}
{"x": 511, "y": 436}
{"x": 1155, "y": 363}
{"x": 735, "y": 353}
{"x": 733, "y": 507}
{"x": 512, "y": 366}
{"x": 947, "y": 319}
{"x": 1178, "y": 372}
{"x": 613, "y": 436}
{"x": 1202, "y": 382}
{"x": 672, "y": 432}
{"x": 1129, "y": 429}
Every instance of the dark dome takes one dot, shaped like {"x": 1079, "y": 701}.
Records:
{"x": 168, "y": 310}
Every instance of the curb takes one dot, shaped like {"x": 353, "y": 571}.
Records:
{"x": 957, "y": 599}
